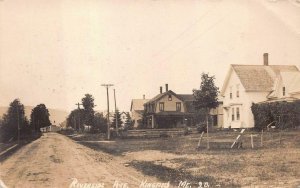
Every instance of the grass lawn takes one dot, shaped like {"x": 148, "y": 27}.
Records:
{"x": 177, "y": 159}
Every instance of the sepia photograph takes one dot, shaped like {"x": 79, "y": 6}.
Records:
{"x": 150, "y": 94}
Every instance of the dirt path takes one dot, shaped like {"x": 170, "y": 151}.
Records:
{"x": 53, "y": 160}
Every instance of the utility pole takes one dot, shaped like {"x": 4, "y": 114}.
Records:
{"x": 117, "y": 129}
{"x": 18, "y": 124}
{"x": 108, "y": 127}
{"x": 78, "y": 105}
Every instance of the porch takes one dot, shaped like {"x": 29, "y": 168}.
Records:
{"x": 167, "y": 120}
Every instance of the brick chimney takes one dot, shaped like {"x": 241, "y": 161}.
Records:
{"x": 160, "y": 89}
{"x": 167, "y": 87}
{"x": 266, "y": 59}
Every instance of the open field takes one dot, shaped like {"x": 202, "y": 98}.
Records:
{"x": 176, "y": 159}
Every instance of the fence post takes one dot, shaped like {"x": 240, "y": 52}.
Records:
{"x": 199, "y": 143}
{"x": 252, "y": 145}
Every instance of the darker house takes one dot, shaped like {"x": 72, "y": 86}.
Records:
{"x": 169, "y": 110}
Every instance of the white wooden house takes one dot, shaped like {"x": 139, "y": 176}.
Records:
{"x": 137, "y": 110}
{"x": 247, "y": 84}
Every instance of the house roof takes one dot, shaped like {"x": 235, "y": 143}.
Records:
{"x": 258, "y": 77}
{"x": 190, "y": 107}
{"x": 123, "y": 113}
{"x": 189, "y": 102}
{"x": 159, "y": 96}
{"x": 183, "y": 97}
{"x": 187, "y": 97}
{"x": 138, "y": 104}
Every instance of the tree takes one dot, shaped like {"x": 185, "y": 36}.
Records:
{"x": 206, "y": 97}
{"x": 117, "y": 117}
{"x": 1, "y": 122}
{"x": 88, "y": 105}
{"x": 14, "y": 121}
{"x": 40, "y": 117}
{"x": 142, "y": 123}
{"x": 88, "y": 102}
{"x": 100, "y": 123}
{"x": 128, "y": 122}
{"x": 76, "y": 119}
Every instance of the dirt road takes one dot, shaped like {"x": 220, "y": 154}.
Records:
{"x": 54, "y": 160}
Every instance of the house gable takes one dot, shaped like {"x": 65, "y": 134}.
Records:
{"x": 225, "y": 84}
{"x": 169, "y": 101}
{"x": 233, "y": 85}
{"x": 185, "y": 100}
{"x": 237, "y": 101}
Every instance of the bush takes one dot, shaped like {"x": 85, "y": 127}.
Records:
{"x": 142, "y": 124}
{"x": 201, "y": 128}
{"x": 285, "y": 114}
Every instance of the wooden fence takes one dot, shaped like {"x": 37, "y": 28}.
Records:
{"x": 153, "y": 133}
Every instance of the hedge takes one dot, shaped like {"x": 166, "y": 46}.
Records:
{"x": 285, "y": 114}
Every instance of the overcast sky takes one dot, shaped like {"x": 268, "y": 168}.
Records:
{"x": 54, "y": 52}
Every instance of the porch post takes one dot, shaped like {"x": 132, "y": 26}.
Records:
{"x": 153, "y": 123}
{"x": 149, "y": 121}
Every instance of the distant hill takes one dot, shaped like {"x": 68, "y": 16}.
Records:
{"x": 56, "y": 115}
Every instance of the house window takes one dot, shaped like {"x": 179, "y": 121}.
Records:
{"x": 230, "y": 93}
{"x": 283, "y": 91}
{"x": 232, "y": 114}
{"x": 178, "y": 106}
{"x": 237, "y": 113}
{"x": 237, "y": 91}
{"x": 170, "y": 97}
{"x": 161, "y": 106}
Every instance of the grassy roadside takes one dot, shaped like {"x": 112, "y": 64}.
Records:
{"x": 9, "y": 148}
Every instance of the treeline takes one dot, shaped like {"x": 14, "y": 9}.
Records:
{"x": 79, "y": 118}
{"x": 86, "y": 119}
{"x": 14, "y": 124}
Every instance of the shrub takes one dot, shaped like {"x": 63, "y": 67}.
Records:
{"x": 142, "y": 124}
{"x": 285, "y": 114}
